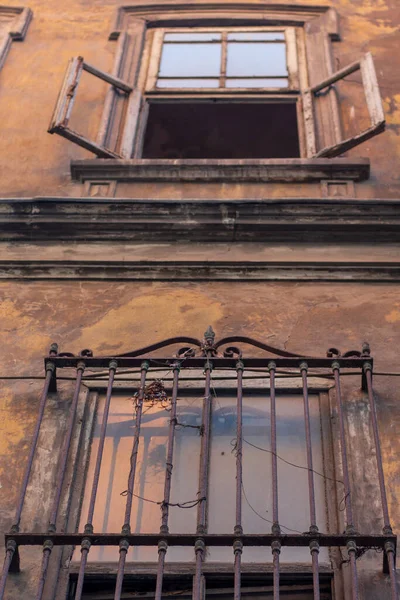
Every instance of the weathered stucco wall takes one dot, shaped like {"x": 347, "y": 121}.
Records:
{"x": 117, "y": 317}
{"x": 36, "y": 163}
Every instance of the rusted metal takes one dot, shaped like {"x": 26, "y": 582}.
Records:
{"x": 85, "y": 543}
{"x": 314, "y": 546}
{"x": 162, "y": 544}
{"x": 201, "y": 529}
{"x": 295, "y": 540}
{"x": 48, "y": 544}
{"x": 207, "y": 354}
{"x": 387, "y": 527}
{"x": 275, "y": 546}
{"x": 11, "y": 549}
{"x": 126, "y": 528}
{"x": 66, "y": 447}
{"x": 350, "y": 529}
{"x": 238, "y": 546}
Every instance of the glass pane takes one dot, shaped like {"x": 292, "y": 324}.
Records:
{"x": 257, "y": 490}
{"x": 150, "y": 475}
{"x": 186, "y": 60}
{"x": 192, "y": 37}
{"x": 188, "y": 83}
{"x": 257, "y": 83}
{"x": 249, "y": 59}
{"x": 269, "y": 36}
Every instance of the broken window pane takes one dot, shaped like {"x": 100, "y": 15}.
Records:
{"x": 256, "y": 59}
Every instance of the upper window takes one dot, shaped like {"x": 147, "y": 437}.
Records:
{"x": 224, "y": 89}
{"x": 225, "y": 59}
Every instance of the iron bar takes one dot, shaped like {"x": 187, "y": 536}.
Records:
{"x": 162, "y": 544}
{"x": 126, "y": 528}
{"x": 275, "y": 546}
{"x": 201, "y": 529}
{"x": 350, "y": 529}
{"x": 238, "y": 546}
{"x": 387, "y": 528}
{"x": 11, "y": 547}
{"x": 86, "y": 541}
{"x": 210, "y": 539}
{"x": 66, "y": 447}
{"x": 125, "y": 362}
{"x": 48, "y": 544}
{"x": 314, "y": 546}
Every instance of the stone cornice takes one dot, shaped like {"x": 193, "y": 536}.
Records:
{"x": 276, "y": 220}
{"x": 205, "y": 270}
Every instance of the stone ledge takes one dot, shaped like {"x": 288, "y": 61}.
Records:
{"x": 203, "y": 270}
{"x": 289, "y": 170}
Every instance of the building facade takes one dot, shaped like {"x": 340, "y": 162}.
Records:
{"x": 206, "y": 196}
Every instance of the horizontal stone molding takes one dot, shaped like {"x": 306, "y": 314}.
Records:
{"x": 289, "y": 170}
{"x": 324, "y": 220}
{"x": 241, "y": 13}
{"x": 200, "y": 270}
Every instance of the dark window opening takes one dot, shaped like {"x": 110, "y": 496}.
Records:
{"x": 296, "y": 586}
{"x": 221, "y": 130}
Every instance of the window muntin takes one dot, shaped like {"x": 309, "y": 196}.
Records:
{"x": 221, "y": 59}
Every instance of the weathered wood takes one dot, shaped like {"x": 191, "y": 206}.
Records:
{"x": 319, "y": 61}
{"x": 355, "y": 66}
{"x": 115, "y": 81}
{"x": 371, "y": 89}
{"x": 65, "y": 100}
{"x": 82, "y": 141}
{"x": 309, "y": 125}
{"x": 352, "y": 142}
{"x": 105, "y": 122}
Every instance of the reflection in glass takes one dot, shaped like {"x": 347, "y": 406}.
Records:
{"x": 292, "y": 481}
{"x": 249, "y": 36}
{"x": 256, "y": 59}
{"x": 188, "y": 83}
{"x": 257, "y": 83}
{"x": 188, "y": 60}
{"x": 150, "y": 475}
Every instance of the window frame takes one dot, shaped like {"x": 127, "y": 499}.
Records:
{"x": 157, "y": 42}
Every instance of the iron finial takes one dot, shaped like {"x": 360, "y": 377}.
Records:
{"x": 366, "y": 350}
{"x": 53, "y": 349}
{"x": 209, "y": 336}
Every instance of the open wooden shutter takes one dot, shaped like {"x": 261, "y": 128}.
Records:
{"x": 373, "y": 99}
{"x": 63, "y": 109}
{"x": 122, "y": 103}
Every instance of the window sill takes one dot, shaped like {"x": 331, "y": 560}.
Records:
{"x": 289, "y": 170}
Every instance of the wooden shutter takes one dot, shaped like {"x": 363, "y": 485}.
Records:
{"x": 62, "y": 112}
{"x": 119, "y": 121}
{"x": 322, "y": 123}
{"x": 373, "y": 99}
